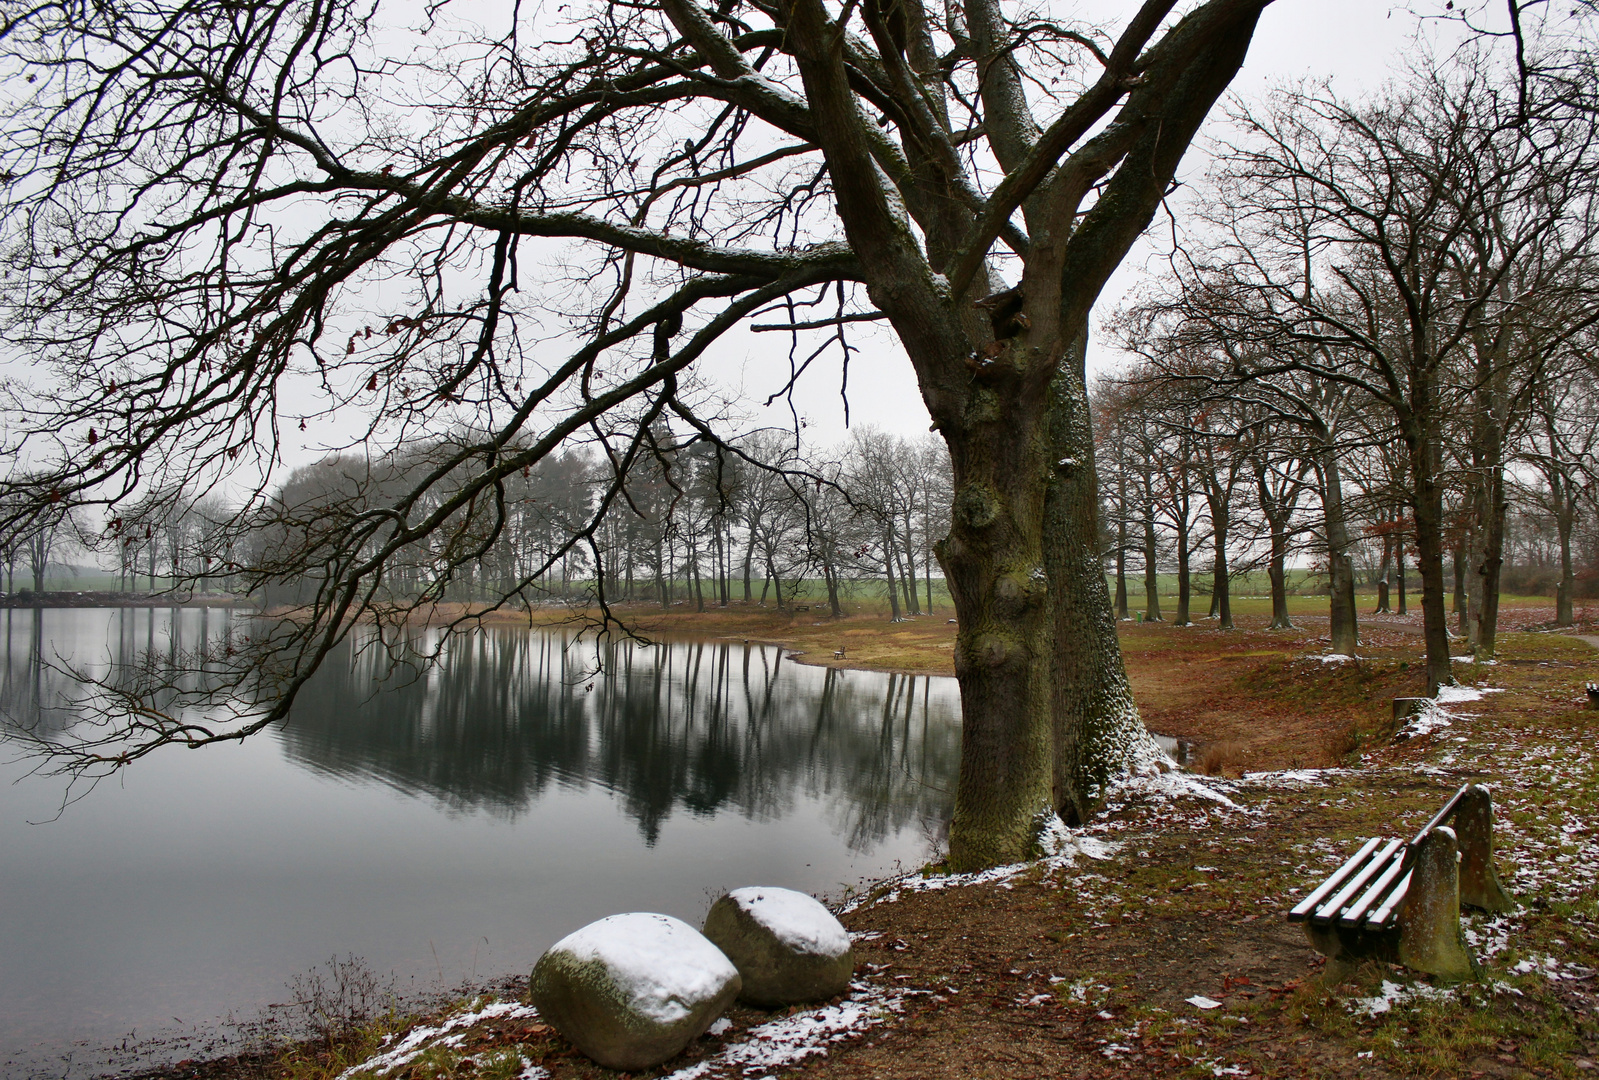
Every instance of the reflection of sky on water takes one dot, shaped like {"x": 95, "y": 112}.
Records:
{"x": 454, "y": 822}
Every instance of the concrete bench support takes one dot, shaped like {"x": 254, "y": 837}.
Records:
{"x": 1430, "y": 937}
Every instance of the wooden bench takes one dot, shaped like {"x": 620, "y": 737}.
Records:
{"x": 1401, "y": 902}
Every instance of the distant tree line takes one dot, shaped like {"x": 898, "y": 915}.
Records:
{"x": 688, "y": 522}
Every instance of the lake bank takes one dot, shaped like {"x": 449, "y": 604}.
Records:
{"x": 1085, "y": 968}
{"x": 1089, "y": 965}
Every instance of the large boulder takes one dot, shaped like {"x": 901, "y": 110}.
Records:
{"x": 786, "y": 945}
{"x": 630, "y": 991}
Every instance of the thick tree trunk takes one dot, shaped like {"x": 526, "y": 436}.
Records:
{"x": 1097, "y": 730}
{"x": 994, "y": 565}
{"x": 1399, "y": 579}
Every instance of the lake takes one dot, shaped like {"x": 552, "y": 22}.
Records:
{"x": 445, "y": 824}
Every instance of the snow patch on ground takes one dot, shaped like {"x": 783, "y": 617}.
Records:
{"x": 1393, "y": 993}
{"x": 772, "y": 1045}
{"x": 1453, "y": 695}
{"x": 1335, "y": 658}
{"x": 805, "y": 1034}
{"x": 1294, "y": 777}
{"x": 1061, "y": 846}
{"x": 1060, "y": 842}
{"x": 1165, "y": 786}
{"x": 1435, "y": 717}
{"x": 418, "y": 1040}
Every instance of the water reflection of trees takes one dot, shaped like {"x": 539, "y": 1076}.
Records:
{"x": 703, "y": 728}
{"x": 706, "y": 727}
{"x": 59, "y": 665}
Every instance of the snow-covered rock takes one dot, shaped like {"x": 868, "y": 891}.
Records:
{"x": 631, "y": 991}
{"x": 786, "y": 945}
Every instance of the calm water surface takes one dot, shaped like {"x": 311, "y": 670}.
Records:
{"x": 444, "y": 826}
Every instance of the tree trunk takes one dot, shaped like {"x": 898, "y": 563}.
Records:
{"x": 1489, "y": 557}
{"x": 1382, "y": 577}
{"x": 1341, "y": 614}
{"x": 994, "y": 565}
{"x": 1422, "y": 445}
{"x": 1121, "y": 548}
{"x": 1185, "y": 585}
{"x": 912, "y": 606}
{"x": 1220, "y": 599}
{"x": 749, "y": 557}
{"x": 1565, "y": 518}
{"x": 1278, "y": 572}
{"x": 1399, "y": 577}
{"x": 777, "y": 581}
{"x": 1151, "y": 567}
{"x": 830, "y": 572}
{"x": 888, "y": 569}
{"x": 1097, "y": 730}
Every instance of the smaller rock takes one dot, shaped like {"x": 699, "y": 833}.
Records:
{"x": 631, "y": 991}
{"x": 787, "y": 947}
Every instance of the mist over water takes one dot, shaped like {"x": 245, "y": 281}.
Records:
{"x": 443, "y": 822}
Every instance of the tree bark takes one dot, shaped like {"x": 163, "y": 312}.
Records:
{"x": 1185, "y": 585}
{"x": 1565, "y": 518}
{"x": 994, "y": 564}
{"x": 1097, "y": 730}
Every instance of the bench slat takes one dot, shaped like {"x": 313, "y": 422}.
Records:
{"x": 1373, "y": 896}
{"x": 1385, "y": 915}
{"x": 1302, "y": 909}
{"x": 1375, "y": 865}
